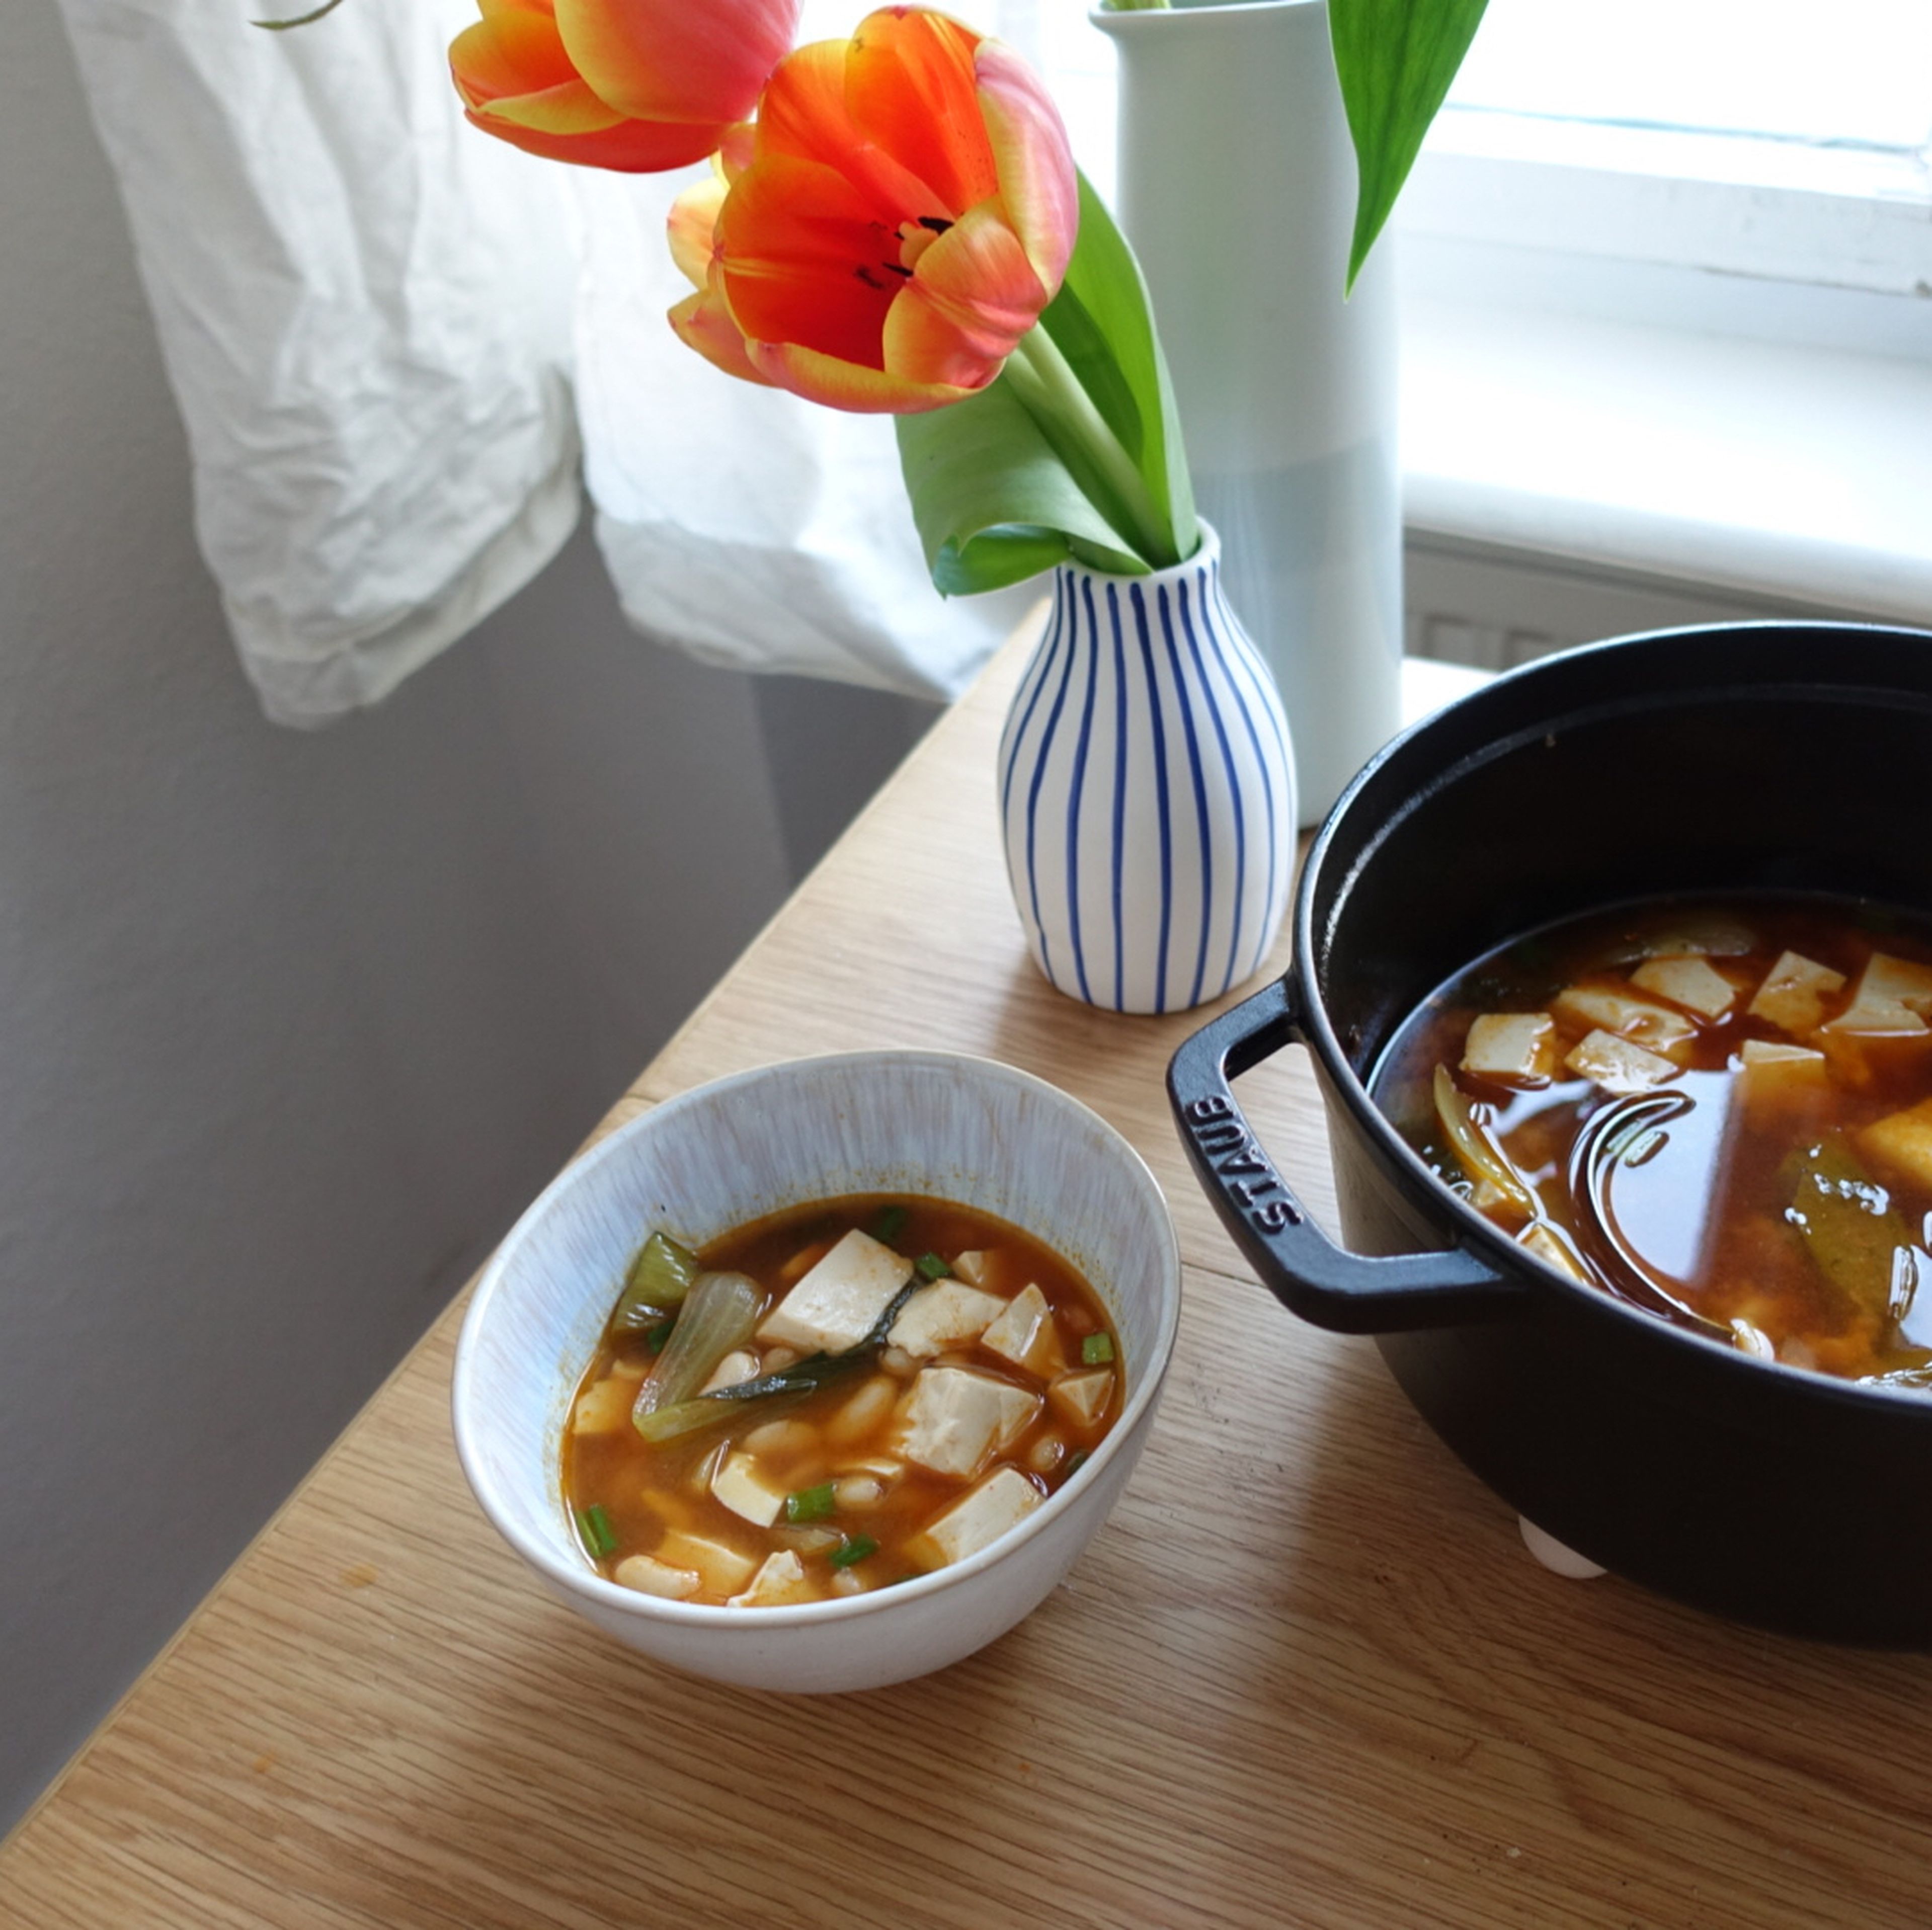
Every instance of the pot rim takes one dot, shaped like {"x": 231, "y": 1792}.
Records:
{"x": 1421, "y": 1187}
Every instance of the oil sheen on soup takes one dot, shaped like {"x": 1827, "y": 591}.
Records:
{"x": 1719, "y": 1111}
{"x": 839, "y": 1398}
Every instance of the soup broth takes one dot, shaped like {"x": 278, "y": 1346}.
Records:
{"x": 886, "y": 1386}
{"x": 1721, "y": 1112}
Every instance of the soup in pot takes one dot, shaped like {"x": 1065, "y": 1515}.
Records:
{"x": 1719, "y": 1111}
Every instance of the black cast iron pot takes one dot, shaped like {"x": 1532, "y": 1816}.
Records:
{"x": 1756, "y": 757}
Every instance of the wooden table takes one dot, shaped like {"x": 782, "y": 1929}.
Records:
{"x": 1306, "y": 1675}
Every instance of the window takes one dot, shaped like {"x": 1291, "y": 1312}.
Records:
{"x": 1752, "y": 167}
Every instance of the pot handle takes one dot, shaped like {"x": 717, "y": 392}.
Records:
{"x": 1306, "y": 1271}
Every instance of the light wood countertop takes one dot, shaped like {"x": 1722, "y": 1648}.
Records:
{"x": 1306, "y": 1675}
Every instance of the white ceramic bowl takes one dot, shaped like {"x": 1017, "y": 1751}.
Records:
{"x": 933, "y": 1123}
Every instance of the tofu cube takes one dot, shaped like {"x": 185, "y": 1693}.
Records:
{"x": 1885, "y": 977}
{"x": 1902, "y": 1143}
{"x": 1552, "y": 1250}
{"x": 1519, "y": 1047}
{"x": 1891, "y": 995}
{"x": 1617, "y": 1064}
{"x": 1869, "y": 1015}
{"x": 1083, "y": 1395}
{"x": 1655, "y": 1027}
{"x": 1690, "y": 983}
{"x": 975, "y": 1268}
{"x": 747, "y": 1491}
{"x": 839, "y": 1301}
{"x": 1701, "y": 934}
{"x": 780, "y": 1579}
{"x": 725, "y": 1569}
{"x": 1773, "y": 1077}
{"x": 949, "y": 1314}
{"x": 955, "y": 1420}
{"x": 604, "y": 1407}
{"x": 649, "y": 1576}
{"x": 980, "y": 1516}
{"x": 1794, "y": 992}
{"x": 1025, "y": 1334}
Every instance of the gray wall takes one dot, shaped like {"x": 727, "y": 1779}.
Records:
{"x": 290, "y": 1026}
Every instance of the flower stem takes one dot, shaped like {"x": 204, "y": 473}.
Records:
{"x": 1044, "y": 382}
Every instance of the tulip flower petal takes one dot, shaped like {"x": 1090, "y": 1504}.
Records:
{"x": 803, "y": 112}
{"x": 691, "y": 228}
{"x": 510, "y": 53}
{"x": 801, "y": 258}
{"x": 704, "y": 322}
{"x": 700, "y": 60}
{"x": 517, "y": 82}
{"x": 845, "y": 385}
{"x": 963, "y": 313}
{"x": 1034, "y": 164}
{"x": 910, "y": 88}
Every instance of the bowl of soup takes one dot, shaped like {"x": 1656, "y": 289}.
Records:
{"x": 1616, "y": 976}
{"x": 821, "y": 1376}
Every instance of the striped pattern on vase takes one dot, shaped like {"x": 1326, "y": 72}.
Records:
{"x": 1147, "y": 791}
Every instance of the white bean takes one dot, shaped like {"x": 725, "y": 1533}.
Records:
{"x": 649, "y": 1576}
{"x": 857, "y": 1493}
{"x": 865, "y": 1411}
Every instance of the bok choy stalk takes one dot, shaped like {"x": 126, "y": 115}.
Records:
{"x": 763, "y": 1392}
{"x": 660, "y": 1277}
{"x": 719, "y": 1313}
{"x": 1481, "y": 1157}
{"x": 1857, "y": 1239}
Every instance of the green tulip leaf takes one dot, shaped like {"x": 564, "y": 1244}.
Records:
{"x": 1395, "y": 60}
{"x": 1102, "y": 321}
{"x": 994, "y": 501}
{"x": 1074, "y": 452}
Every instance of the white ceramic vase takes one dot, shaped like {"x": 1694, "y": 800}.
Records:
{"x": 1147, "y": 791}
{"x": 1237, "y": 190}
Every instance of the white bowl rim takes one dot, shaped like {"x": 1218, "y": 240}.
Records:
{"x": 594, "y": 1587}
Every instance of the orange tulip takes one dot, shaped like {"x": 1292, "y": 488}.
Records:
{"x": 890, "y": 228}
{"x": 638, "y": 86}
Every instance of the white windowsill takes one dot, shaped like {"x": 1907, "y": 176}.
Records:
{"x": 1779, "y": 470}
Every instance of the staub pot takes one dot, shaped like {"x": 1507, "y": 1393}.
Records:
{"x": 1770, "y": 756}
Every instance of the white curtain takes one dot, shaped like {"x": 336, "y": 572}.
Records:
{"x": 396, "y": 343}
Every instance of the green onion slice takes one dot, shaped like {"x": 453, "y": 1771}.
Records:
{"x": 930, "y": 1266}
{"x": 594, "y": 1525}
{"x": 853, "y": 1551}
{"x": 1096, "y": 1350}
{"x": 890, "y": 1223}
{"x": 810, "y": 1504}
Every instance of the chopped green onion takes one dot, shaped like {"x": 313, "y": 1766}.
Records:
{"x": 887, "y": 1227}
{"x": 1096, "y": 1350}
{"x": 855, "y": 1550}
{"x": 810, "y": 1504}
{"x": 656, "y": 1339}
{"x": 659, "y": 1278}
{"x": 930, "y": 1266}
{"x": 1075, "y": 1462}
{"x": 594, "y": 1525}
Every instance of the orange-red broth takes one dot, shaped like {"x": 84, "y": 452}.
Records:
{"x": 1781, "y": 1197}
{"x": 657, "y": 1500}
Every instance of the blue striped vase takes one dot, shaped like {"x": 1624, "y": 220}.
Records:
{"x": 1147, "y": 791}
